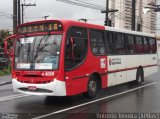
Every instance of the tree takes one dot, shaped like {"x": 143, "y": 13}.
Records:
{"x": 3, "y": 35}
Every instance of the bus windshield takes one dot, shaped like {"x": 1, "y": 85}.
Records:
{"x": 38, "y": 52}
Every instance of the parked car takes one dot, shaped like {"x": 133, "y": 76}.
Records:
{"x": 4, "y": 61}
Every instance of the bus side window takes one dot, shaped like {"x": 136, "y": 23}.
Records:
{"x": 152, "y": 45}
{"x": 76, "y": 47}
{"x": 109, "y": 42}
{"x": 130, "y": 44}
{"x": 68, "y": 48}
{"x": 120, "y": 44}
{"x": 146, "y": 45}
{"x": 97, "y": 42}
{"x": 139, "y": 45}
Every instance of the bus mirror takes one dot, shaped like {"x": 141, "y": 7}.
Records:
{"x": 8, "y": 45}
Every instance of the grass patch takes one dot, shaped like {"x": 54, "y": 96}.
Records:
{"x": 5, "y": 71}
{"x": 2, "y": 73}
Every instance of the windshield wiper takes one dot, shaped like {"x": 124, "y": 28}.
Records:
{"x": 28, "y": 52}
{"x": 38, "y": 47}
{"x": 20, "y": 45}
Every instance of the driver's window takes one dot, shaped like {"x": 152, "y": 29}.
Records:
{"x": 76, "y": 47}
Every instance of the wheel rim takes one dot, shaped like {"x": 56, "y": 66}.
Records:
{"x": 92, "y": 87}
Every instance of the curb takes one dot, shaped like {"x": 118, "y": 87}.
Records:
{"x": 5, "y": 83}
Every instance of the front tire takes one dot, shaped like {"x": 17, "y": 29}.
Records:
{"x": 92, "y": 88}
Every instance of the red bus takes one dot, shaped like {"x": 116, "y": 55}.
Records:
{"x": 64, "y": 57}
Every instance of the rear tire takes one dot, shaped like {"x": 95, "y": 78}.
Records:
{"x": 92, "y": 88}
{"x": 139, "y": 77}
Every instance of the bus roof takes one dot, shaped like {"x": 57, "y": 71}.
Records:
{"x": 129, "y": 31}
{"x": 69, "y": 23}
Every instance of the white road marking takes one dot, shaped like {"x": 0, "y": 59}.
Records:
{"x": 3, "y": 83}
{"x": 84, "y": 104}
{"x": 12, "y": 97}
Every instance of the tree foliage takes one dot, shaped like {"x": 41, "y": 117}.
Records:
{"x": 3, "y": 35}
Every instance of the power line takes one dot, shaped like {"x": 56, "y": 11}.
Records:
{"x": 5, "y": 13}
{"x": 6, "y": 17}
{"x": 89, "y": 3}
{"x": 86, "y": 5}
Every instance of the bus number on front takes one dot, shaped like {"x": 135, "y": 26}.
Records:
{"x": 48, "y": 74}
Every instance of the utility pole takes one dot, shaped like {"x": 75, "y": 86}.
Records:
{"x": 19, "y": 12}
{"x": 107, "y": 22}
{"x": 107, "y": 6}
{"x": 14, "y": 16}
{"x": 133, "y": 15}
{"x": 27, "y": 5}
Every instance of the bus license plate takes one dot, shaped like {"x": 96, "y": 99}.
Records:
{"x": 32, "y": 88}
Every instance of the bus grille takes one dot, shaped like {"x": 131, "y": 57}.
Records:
{"x": 38, "y": 90}
{"x": 35, "y": 82}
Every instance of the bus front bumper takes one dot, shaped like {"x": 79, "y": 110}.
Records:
{"x": 55, "y": 88}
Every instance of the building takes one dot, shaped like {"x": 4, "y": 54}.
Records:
{"x": 145, "y": 22}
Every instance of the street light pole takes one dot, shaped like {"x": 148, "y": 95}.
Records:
{"x": 27, "y": 5}
{"x": 45, "y": 17}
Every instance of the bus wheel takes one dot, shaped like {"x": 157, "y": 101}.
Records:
{"x": 139, "y": 77}
{"x": 92, "y": 88}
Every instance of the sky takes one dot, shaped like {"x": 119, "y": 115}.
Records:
{"x": 53, "y": 8}
{"x": 56, "y": 10}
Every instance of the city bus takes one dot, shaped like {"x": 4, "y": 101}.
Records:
{"x": 65, "y": 57}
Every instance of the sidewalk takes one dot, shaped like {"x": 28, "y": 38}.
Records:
{"x": 5, "y": 78}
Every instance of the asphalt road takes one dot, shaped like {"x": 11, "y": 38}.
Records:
{"x": 136, "y": 101}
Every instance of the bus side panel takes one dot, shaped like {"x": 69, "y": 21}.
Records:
{"x": 147, "y": 62}
{"x": 154, "y": 63}
{"x": 116, "y": 70}
{"x": 133, "y": 62}
{"x": 77, "y": 79}
{"x": 75, "y": 85}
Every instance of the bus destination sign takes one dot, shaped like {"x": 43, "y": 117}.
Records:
{"x": 42, "y": 27}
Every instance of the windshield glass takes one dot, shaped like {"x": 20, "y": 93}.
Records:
{"x": 38, "y": 52}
